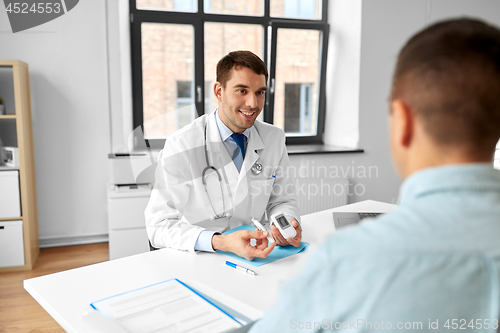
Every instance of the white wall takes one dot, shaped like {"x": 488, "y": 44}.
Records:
{"x": 120, "y": 74}
{"x": 357, "y": 89}
{"x": 67, "y": 60}
{"x": 385, "y": 26}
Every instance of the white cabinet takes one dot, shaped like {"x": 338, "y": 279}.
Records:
{"x": 18, "y": 207}
{"x": 126, "y": 223}
{"x": 127, "y": 242}
{"x": 11, "y": 243}
{"x": 10, "y": 205}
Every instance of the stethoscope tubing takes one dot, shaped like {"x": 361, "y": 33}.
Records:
{"x": 203, "y": 174}
{"x": 256, "y": 169}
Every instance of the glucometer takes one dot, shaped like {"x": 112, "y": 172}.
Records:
{"x": 284, "y": 225}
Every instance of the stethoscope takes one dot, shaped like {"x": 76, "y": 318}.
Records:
{"x": 256, "y": 169}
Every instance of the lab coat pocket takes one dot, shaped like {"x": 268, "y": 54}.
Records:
{"x": 260, "y": 192}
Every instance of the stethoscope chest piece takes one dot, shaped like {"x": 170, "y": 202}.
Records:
{"x": 257, "y": 168}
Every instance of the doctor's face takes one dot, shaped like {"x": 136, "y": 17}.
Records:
{"x": 242, "y": 100}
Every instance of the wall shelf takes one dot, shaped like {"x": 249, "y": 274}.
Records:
{"x": 6, "y": 219}
{"x": 8, "y": 116}
{"x": 23, "y": 135}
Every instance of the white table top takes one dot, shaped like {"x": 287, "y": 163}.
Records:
{"x": 66, "y": 295}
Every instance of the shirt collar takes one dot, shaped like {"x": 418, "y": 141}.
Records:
{"x": 455, "y": 177}
{"x": 224, "y": 131}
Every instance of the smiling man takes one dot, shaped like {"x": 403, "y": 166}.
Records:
{"x": 224, "y": 169}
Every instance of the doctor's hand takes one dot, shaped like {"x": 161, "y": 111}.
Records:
{"x": 238, "y": 243}
{"x": 281, "y": 241}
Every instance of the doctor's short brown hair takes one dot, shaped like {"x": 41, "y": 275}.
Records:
{"x": 237, "y": 59}
{"x": 449, "y": 76}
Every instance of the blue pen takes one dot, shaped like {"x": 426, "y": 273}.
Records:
{"x": 275, "y": 173}
{"x": 243, "y": 269}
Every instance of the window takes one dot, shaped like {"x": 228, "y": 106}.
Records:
{"x": 222, "y": 38}
{"x": 184, "y": 100}
{"x": 176, "y": 45}
{"x": 298, "y": 105}
{"x": 300, "y": 9}
{"x": 185, "y": 93}
{"x": 170, "y": 5}
{"x": 185, "y": 5}
{"x": 167, "y": 58}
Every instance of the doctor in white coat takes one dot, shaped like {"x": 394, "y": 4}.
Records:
{"x": 224, "y": 169}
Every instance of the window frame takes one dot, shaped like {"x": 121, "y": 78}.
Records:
{"x": 197, "y": 21}
{"x": 269, "y": 115}
{"x": 496, "y": 156}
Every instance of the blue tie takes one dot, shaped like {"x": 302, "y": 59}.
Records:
{"x": 240, "y": 141}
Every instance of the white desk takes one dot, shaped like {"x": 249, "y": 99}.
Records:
{"x": 66, "y": 295}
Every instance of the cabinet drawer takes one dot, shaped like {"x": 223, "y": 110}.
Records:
{"x": 9, "y": 194}
{"x": 11, "y": 243}
{"x": 126, "y": 213}
{"x": 124, "y": 243}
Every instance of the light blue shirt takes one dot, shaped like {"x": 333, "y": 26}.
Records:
{"x": 229, "y": 143}
{"x": 447, "y": 220}
{"x": 204, "y": 241}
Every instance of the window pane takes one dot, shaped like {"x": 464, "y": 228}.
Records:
{"x": 222, "y": 38}
{"x": 184, "y": 89}
{"x": 302, "y": 9}
{"x": 167, "y": 76}
{"x": 236, "y": 7}
{"x": 297, "y": 81}
{"x": 168, "y": 5}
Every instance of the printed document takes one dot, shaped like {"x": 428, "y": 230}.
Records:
{"x": 169, "y": 306}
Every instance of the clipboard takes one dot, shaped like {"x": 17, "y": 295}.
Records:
{"x": 168, "y": 305}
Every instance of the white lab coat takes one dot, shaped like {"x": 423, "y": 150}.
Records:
{"x": 179, "y": 208}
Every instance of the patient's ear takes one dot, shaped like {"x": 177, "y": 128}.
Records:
{"x": 402, "y": 123}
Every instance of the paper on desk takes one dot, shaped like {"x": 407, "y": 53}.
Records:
{"x": 239, "y": 310}
{"x": 278, "y": 253}
{"x": 167, "y": 306}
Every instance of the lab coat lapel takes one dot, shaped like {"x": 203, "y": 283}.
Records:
{"x": 214, "y": 143}
{"x": 218, "y": 151}
{"x": 219, "y": 155}
{"x": 242, "y": 188}
{"x": 251, "y": 156}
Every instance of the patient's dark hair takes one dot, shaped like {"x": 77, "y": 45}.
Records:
{"x": 238, "y": 59}
{"x": 449, "y": 76}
